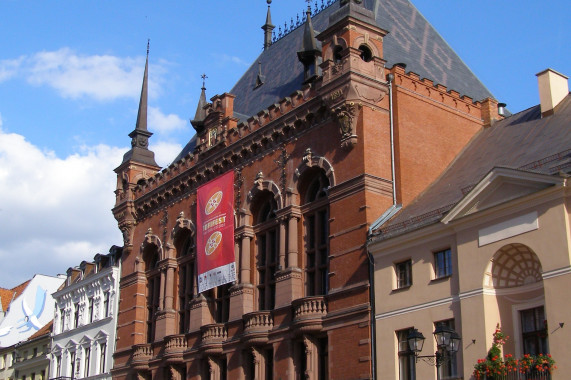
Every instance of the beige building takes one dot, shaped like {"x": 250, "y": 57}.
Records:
{"x": 486, "y": 244}
{"x": 32, "y": 357}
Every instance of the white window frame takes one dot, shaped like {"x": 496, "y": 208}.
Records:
{"x": 516, "y": 319}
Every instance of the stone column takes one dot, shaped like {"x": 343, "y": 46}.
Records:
{"x": 245, "y": 265}
{"x": 162, "y": 289}
{"x": 169, "y": 287}
{"x": 292, "y": 251}
{"x": 282, "y": 246}
{"x": 242, "y": 294}
{"x": 166, "y": 317}
{"x": 289, "y": 278}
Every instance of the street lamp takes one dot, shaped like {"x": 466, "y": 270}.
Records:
{"x": 447, "y": 343}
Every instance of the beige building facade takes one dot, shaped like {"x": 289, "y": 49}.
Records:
{"x": 486, "y": 245}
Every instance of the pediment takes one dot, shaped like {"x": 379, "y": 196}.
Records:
{"x": 85, "y": 340}
{"x": 57, "y": 349}
{"x": 101, "y": 336}
{"x": 499, "y": 186}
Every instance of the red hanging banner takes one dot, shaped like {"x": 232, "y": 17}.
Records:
{"x": 215, "y": 235}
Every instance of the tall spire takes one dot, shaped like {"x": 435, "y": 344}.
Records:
{"x": 142, "y": 114}
{"x": 140, "y": 136}
{"x": 200, "y": 115}
{"x": 268, "y": 28}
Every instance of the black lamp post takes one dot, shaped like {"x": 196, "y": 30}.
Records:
{"x": 447, "y": 343}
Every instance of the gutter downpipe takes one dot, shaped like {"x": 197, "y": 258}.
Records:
{"x": 381, "y": 220}
{"x": 390, "y": 79}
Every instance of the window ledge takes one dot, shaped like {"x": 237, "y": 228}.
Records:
{"x": 440, "y": 279}
{"x": 401, "y": 289}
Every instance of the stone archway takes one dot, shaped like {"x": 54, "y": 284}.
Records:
{"x": 513, "y": 277}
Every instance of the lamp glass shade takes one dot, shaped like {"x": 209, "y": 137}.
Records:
{"x": 415, "y": 340}
{"x": 442, "y": 335}
{"x": 454, "y": 342}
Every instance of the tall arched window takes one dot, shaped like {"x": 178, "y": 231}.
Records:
{"x": 267, "y": 238}
{"x": 313, "y": 189}
{"x": 221, "y": 295}
{"x": 151, "y": 259}
{"x": 185, "y": 248}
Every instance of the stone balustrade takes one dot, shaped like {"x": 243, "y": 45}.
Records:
{"x": 175, "y": 344}
{"x": 309, "y": 313}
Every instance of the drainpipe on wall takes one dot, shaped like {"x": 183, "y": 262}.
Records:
{"x": 390, "y": 79}
{"x": 377, "y": 223}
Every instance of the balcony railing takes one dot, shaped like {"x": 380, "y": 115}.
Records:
{"x": 532, "y": 375}
{"x": 212, "y": 337}
{"x": 257, "y": 325}
{"x": 175, "y": 345}
{"x": 142, "y": 353}
{"x": 309, "y": 313}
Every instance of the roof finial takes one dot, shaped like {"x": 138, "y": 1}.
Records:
{"x": 268, "y": 27}
{"x": 203, "y": 76}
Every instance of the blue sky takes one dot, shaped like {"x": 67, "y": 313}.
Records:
{"x": 70, "y": 79}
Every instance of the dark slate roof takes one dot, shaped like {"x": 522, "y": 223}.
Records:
{"x": 411, "y": 40}
{"x": 523, "y": 141}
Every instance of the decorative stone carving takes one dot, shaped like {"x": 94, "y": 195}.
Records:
{"x": 259, "y": 180}
{"x": 347, "y": 116}
{"x": 282, "y": 163}
{"x": 127, "y": 231}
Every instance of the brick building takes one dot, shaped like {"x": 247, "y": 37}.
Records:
{"x": 332, "y": 125}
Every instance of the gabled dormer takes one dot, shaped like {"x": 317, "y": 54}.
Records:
{"x": 213, "y": 121}
{"x": 499, "y": 186}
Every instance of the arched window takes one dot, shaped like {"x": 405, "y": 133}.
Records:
{"x": 151, "y": 259}
{"x": 313, "y": 188}
{"x": 366, "y": 53}
{"x": 267, "y": 237}
{"x": 185, "y": 248}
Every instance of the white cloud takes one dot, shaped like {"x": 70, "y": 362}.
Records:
{"x": 163, "y": 123}
{"x": 102, "y": 77}
{"x": 165, "y": 152}
{"x": 9, "y": 68}
{"x": 232, "y": 59}
{"x": 55, "y": 212}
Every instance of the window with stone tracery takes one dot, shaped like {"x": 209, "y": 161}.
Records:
{"x": 267, "y": 239}
{"x": 314, "y": 186}
{"x": 151, "y": 258}
{"x": 186, "y": 273}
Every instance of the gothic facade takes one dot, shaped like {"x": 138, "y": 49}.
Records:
{"x": 322, "y": 157}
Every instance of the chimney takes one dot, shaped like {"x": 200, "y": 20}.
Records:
{"x": 553, "y": 88}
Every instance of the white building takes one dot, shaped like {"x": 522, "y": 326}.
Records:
{"x": 83, "y": 338}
